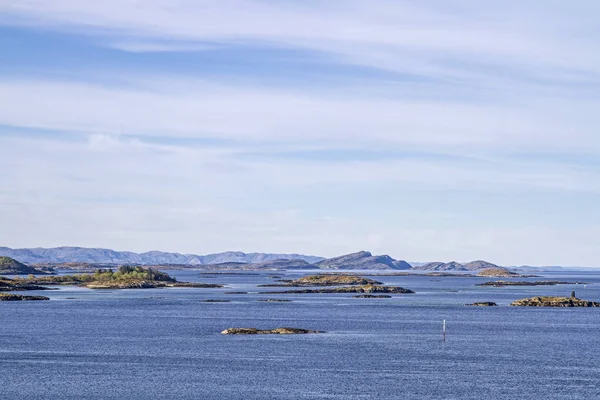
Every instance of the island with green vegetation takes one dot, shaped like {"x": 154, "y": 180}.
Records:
{"x": 349, "y": 289}
{"x": 126, "y": 277}
{"x": 276, "y": 331}
{"x": 550, "y": 301}
{"x": 325, "y": 280}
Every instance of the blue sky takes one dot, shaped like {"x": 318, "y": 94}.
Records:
{"x": 438, "y": 130}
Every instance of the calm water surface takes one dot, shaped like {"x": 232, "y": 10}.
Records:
{"x": 166, "y": 343}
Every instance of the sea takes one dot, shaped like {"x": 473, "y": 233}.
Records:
{"x": 167, "y": 343}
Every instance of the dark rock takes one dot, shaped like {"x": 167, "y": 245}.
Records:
{"x": 372, "y": 296}
{"x": 215, "y": 301}
{"x": 483, "y": 304}
{"x": 276, "y": 331}
{"x": 18, "y": 297}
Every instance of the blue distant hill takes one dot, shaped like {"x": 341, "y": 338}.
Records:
{"x": 107, "y": 256}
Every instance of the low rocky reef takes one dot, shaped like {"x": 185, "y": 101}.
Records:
{"x": 325, "y": 280}
{"x": 372, "y": 296}
{"x": 215, "y": 301}
{"x": 276, "y": 331}
{"x": 125, "y": 277}
{"x": 18, "y": 297}
{"x": 482, "y": 304}
{"x": 11, "y": 285}
{"x": 549, "y": 301}
{"x": 274, "y": 300}
{"x": 349, "y": 289}
{"x": 526, "y": 283}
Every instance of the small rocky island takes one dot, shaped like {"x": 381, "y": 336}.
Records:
{"x": 11, "y": 285}
{"x": 126, "y": 277}
{"x": 549, "y": 301}
{"x": 482, "y": 304}
{"x": 525, "y": 283}
{"x": 372, "y": 296}
{"x": 349, "y": 289}
{"x": 497, "y": 272}
{"x": 325, "y": 280}
{"x": 276, "y": 331}
{"x": 18, "y": 297}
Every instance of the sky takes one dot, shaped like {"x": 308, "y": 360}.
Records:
{"x": 431, "y": 130}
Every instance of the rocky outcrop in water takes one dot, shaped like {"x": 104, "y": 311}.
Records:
{"x": 11, "y": 285}
{"x": 497, "y": 273}
{"x": 274, "y": 300}
{"x": 483, "y": 304}
{"x": 372, "y": 296}
{"x": 349, "y": 289}
{"x": 276, "y": 331}
{"x": 18, "y": 297}
{"x": 549, "y": 301}
{"x": 525, "y": 283}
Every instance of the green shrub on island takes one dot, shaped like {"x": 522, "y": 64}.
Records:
{"x": 126, "y": 273}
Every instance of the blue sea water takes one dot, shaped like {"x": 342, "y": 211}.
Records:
{"x": 166, "y": 343}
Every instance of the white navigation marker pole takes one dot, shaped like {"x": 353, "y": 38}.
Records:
{"x": 444, "y": 330}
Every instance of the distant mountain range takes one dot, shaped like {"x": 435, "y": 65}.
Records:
{"x": 362, "y": 260}
{"x": 106, "y": 256}
{"x": 455, "y": 266}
